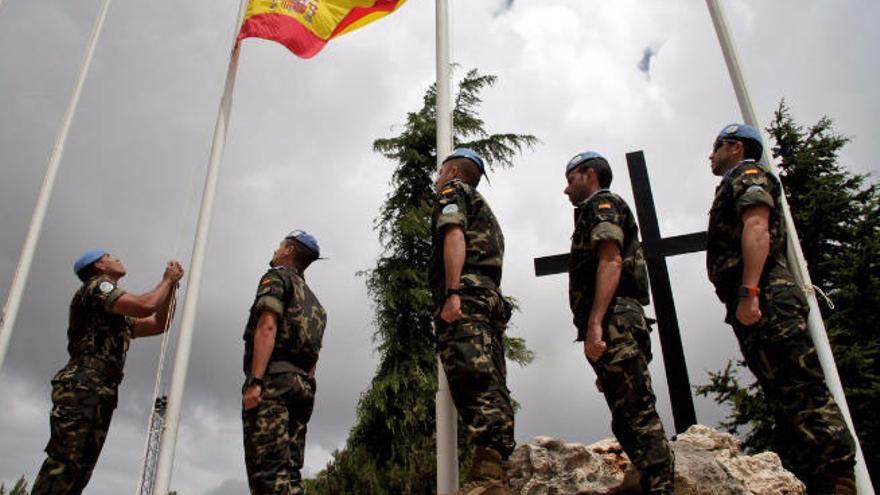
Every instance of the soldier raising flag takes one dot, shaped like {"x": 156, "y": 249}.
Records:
{"x": 103, "y": 319}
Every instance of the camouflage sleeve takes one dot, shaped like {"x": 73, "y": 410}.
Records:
{"x": 607, "y": 226}
{"x": 751, "y": 188}
{"x": 270, "y": 294}
{"x": 450, "y": 208}
{"x": 102, "y": 293}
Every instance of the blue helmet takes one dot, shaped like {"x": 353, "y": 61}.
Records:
{"x": 580, "y": 159}
{"x": 307, "y": 240}
{"x": 741, "y": 132}
{"x": 470, "y": 155}
{"x": 87, "y": 259}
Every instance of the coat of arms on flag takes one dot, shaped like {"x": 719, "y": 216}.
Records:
{"x": 305, "y": 26}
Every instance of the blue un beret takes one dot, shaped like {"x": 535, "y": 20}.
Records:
{"x": 580, "y": 159}
{"x": 307, "y": 240}
{"x": 470, "y": 155}
{"x": 87, "y": 259}
{"x": 741, "y": 132}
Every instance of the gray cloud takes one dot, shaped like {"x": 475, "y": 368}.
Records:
{"x": 505, "y": 6}
{"x": 230, "y": 487}
{"x": 299, "y": 155}
{"x": 648, "y": 53}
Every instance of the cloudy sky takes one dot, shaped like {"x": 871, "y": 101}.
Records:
{"x": 299, "y": 156}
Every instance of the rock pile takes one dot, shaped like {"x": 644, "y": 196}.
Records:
{"x": 706, "y": 462}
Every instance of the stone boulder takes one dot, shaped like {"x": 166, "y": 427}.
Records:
{"x": 706, "y": 462}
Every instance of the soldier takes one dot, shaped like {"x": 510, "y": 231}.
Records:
{"x": 471, "y": 316}
{"x": 746, "y": 262}
{"x": 608, "y": 285}
{"x": 282, "y": 341}
{"x": 103, "y": 318}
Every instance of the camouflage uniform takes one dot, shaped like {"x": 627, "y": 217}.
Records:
{"x": 275, "y": 430}
{"x": 623, "y": 368}
{"x": 471, "y": 349}
{"x": 812, "y": 438}
{"x": 84, "y": 392}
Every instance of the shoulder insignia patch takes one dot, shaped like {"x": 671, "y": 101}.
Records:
{"x": 266, "y": 281}
{"x": 751, "y": 171}
{"x": 106, "y": 287}
{"x": 604, "y": 206}
{"x": 449, "y": 209}
{"x": 447, "y": 191}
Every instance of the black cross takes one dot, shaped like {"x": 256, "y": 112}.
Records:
{"x": 657, "y": 249}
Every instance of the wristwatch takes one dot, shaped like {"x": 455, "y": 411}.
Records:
{"x": 450, "y": 292}
{"x": 250, "y": 381}
{"x": 746, "y": 291}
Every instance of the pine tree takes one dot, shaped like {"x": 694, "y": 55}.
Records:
{"x": 837, "y": 215}
{"x": 20, "y": 488}
{"x": 391, "y": 448}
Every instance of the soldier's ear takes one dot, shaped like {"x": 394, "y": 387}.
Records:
{"x": 739, "y": 147}
{"x": 100, "y": 264}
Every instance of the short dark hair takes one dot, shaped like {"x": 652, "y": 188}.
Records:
{"x": 752, "y": 150}
{"x": 470, "y": 173}
{"x": 88, "y": 272}
{"x": 302, "y": 253}
{"x": 602, "y": 169}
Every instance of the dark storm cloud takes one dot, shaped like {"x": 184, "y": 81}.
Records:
{"x": 299, "y": 156}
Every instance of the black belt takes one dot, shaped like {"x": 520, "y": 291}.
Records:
{"x": 284, "y": 367}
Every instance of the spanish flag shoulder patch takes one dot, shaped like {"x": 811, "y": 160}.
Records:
{"x": 266, "y": 281}
{"x": 446, "y": 191}
{"x": 751, "y": 171}
{"x": 604, "y": 206}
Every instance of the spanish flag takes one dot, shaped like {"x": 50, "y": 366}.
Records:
{"x": 305, "y": 26}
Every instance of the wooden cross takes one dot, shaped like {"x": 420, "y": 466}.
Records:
{"x": 657, "y": 249}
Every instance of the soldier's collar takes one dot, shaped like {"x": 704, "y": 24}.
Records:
{"x": 591, "y": 196}
{"x": 293, "y": 269}
{"x": 747, "y": 161}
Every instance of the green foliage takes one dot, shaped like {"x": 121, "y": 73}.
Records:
{"x": 20, "y": 488}
{"x": 837, "y": 215}
{"x": 391, "y": 448}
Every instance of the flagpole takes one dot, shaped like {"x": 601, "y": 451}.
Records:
{"x": 447, "y": 435}
{"x": 184, "y": 340}
{"x": 19, "y": 280}
{"x": 794, "y": 253}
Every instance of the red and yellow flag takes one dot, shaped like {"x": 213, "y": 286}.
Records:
{"x": 305, "y": 26}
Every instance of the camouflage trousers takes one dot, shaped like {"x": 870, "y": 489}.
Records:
{"x": 472, "y": 352}
{"x": 82, "y": 406}
{"x": 626, "y": 383}
{"x": 810, "y": 434}
{"x": 275, "y": 434}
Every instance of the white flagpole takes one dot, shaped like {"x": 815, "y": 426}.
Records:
{"x": 447, "y": 435}
{"x": 13, "y": 300}
{"x": 184, "y": 340}
{"x": 794, "y": 253}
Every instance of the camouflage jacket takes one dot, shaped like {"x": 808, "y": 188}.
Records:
{"x": 748, "y": 184}
{"x": 460, "y": 204}
{"x": 97, "y": 338}
{"x": 301, "y": 320}
{"x": 604, "y": 217}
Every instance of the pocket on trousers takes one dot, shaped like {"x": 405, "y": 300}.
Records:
{"x": 619, "y": 337}
{"x": 784, "y": 311}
